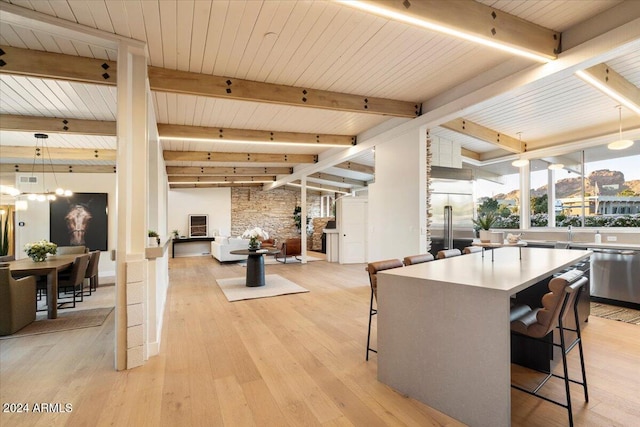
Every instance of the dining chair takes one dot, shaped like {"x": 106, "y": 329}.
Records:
{"x": 71, "y": 250}
{"x": 74, "y": 280}
{"x": 373, "y": 268}
{"x": 540, "y": 322}
{"x": 92, "y": 270}
{"x": 448, "y": 253}
{"x": 418, "y": 259}
{"x": 17, "y": 302}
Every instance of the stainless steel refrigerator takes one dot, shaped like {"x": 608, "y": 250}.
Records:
{"x": 452, "y": 205}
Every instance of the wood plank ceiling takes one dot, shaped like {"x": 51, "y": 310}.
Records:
{"x": 257, "y": 49}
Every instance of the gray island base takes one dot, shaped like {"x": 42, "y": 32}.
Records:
{"x": 443, "y": 329}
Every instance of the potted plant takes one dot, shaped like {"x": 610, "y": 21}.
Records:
{"x": 484, "y": 223}
{"x": 38, "y": 251}
{"x": 175, "y": 234}
{"x": 154, "y": 238}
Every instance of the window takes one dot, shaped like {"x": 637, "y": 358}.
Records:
{"x": 609, "y": 195}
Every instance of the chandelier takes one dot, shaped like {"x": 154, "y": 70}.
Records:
{"x": 40, "y": 151}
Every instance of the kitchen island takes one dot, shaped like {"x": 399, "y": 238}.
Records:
{"x": 443, "y": 329}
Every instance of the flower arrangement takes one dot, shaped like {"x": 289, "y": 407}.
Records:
{"x": 254, "y": 235}
{"x": 38, "y": 251}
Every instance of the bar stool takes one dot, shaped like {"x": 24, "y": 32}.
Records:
{"x": 539, "y": 322}
{"x": 448, "y": 253}
{"x": 373, "y": 268}
{"x": 471, "y": 249}
{"x": 418, "y": 259}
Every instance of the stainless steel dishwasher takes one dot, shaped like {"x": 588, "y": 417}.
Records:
{"x": 615, "y": 275}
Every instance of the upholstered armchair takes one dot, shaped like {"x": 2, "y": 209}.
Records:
{"x": 17, "y": 302}
{"x": 290, "y": 247}
{"x": 268, "y": 243}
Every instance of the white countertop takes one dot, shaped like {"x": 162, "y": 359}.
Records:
{"x": 507, "y": 273}
{"x": 584, "y": 245}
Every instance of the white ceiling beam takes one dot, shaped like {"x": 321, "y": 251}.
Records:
{"x": 338, "y": 179}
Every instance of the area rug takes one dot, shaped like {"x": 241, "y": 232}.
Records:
{"x": 66, "y": 321}
{"x": 622, "y": 314}
{"x": 236, "y": 290}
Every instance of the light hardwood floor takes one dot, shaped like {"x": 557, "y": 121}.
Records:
{"x": 293, "y": 360}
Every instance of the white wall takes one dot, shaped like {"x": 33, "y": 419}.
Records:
{"x": 215, "y": 202}
{"x": 397, "y": 199}
{"x": 36, "y": 217}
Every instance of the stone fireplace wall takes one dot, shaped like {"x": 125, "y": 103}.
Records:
{"x": 270, "y": 210}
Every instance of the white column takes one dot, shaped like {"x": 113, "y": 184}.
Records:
{"x": 551, "y": 201}
{"x": 132, "y": 206}
{"x": 525, "y": 203}
{"x": 303, "y": 232}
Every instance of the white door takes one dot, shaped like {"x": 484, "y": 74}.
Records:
{"x": 352, "y": 226}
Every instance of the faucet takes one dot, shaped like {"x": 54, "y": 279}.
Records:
{"x": 569, "y": 233}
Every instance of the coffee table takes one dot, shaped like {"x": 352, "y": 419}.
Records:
{"x": 255, "y": 264}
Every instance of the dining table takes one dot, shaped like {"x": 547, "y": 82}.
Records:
{"x": 49, "y": 268}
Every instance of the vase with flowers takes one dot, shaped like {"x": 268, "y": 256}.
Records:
{"x": 38, "y": 251}
{"x": 255, "y": 235}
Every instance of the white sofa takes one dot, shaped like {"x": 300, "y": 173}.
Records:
{"x": 222, "y": 246}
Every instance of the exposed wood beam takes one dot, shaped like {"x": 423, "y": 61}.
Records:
{"x": 77, "y": 68}
{"x": 57, "y": 66}
{"x": 220, "y": 179}
{"x": 210, "y": 185}
{"x": 56, "y": 125}
{"x": 336, "y": 178}
{"x": 613, "y": 85}
{"x": 473, "y": 21}
{"x": 11, "y": 152}
{"x": 209, "y": 156}
{"x": 482, "y": 133}
{"x": 225, "y": 171}
{"x": 167, "y": 131}
{"x": 470, "y": 154}
{"x": 174, "y": 81}
{"x": 356, "y": 167}
{"x": 28, "y": 168}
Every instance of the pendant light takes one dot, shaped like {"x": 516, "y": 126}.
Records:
{"x": 40, "y": 151}
{"x": 520, "y": 162}
{"x": 620, "y": 144}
